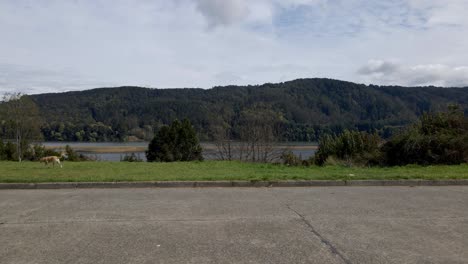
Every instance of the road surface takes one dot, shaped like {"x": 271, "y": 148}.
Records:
{"x": 235, "y": 225}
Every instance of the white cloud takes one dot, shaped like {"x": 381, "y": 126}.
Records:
{"x": 387, "y": 72}
{"x": 31, "y": 80}
{"x": 158, "y": 43}
{"x": 378, "y": 67}
{"x": 228, "y": 12}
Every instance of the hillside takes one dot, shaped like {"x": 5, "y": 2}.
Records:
{"x": 307, "y": 108}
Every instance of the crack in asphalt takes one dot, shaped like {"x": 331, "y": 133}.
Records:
{"x": 324, "y": 241}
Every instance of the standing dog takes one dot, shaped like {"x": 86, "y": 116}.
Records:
{"x": 51, "y": 159}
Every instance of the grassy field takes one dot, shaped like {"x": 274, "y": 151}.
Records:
{"x": 212, "y": 170}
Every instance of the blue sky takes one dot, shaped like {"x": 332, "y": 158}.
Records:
{"x": 53, "y": 46}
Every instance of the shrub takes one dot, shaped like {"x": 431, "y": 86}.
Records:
{"x": 34, "y": 152}
{"x": 438, "y": 138}
{"x": 131, "y": 158}
{"x": 2, "y": 150}
{"x": 353, "y": 147}
{"x": 37, "y": 151}
{"x": 8, "y": 151}
{"x": 290, "y": 159}
{"x": 73, "y": 156}
{"x": 3, "y": 155}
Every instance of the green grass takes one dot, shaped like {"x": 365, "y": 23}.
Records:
{"x": 213, "y": 170}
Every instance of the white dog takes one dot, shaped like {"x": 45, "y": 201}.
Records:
{"x": 51, "y": 159}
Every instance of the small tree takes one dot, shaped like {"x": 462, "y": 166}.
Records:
{"x": 22, "y": 119}
{"x": 177, "y": 142}
{"x": 225, "y": 146}
{"x": 259, "y": 128}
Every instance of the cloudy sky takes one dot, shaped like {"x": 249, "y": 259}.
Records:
{"x": 62, "y": 45}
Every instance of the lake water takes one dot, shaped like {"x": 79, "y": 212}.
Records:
{"x": 115, "y": 151}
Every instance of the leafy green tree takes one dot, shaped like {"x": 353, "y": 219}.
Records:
{"x": 177, "y": 142}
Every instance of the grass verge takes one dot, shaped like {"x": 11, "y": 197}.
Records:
{"x": 33, "y": 172}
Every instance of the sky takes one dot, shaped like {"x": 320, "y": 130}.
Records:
{"x": 65, "y": 45}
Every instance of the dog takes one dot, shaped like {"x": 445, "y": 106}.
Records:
{"x": 51, "y": 159}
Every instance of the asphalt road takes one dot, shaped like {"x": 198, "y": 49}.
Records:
{"x": 235, "y": 225}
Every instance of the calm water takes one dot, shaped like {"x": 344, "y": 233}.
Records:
{"x": 95, "y": 144}
{"x": 107, "y": 150}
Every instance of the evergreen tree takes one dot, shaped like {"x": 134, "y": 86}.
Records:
{"x": 177, "y": 142}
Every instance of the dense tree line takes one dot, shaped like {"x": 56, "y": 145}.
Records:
{"x": 307, "y": 109}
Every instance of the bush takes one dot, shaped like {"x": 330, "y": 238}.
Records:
{"x": 177, "y": 142}
{"x": 34, "y": 152}
{"x": 73, "y": 156}
{"x": 8, "y": 151}
{"x": 353, "y": 147}
{"x": 3, "y": 150}
{"x": 440, "y": 138}
{"x": 290, "y": 159}
{"x": 131, "y": 158}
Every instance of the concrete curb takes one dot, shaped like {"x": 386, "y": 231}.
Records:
{"x": 192, "y": 184}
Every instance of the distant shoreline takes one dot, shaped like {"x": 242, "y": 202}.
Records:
{"x": 99, "y": 148}
{"x": 104, "y": 149}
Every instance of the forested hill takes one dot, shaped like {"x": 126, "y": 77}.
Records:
{"x": 306, "y": 108}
